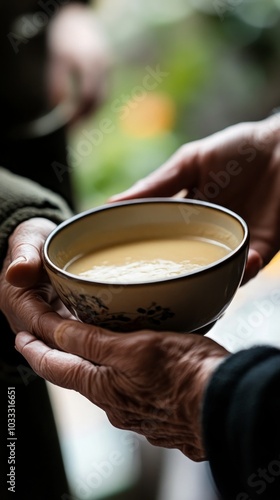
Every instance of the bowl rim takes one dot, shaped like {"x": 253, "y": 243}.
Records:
{"x": 137, "y": 201}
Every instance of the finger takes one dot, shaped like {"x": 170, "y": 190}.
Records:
{"x": 104, "y": 347}
{"x": 60, "y": 368}
{"x": 25, "y": 246}
{"x": 90, "y": 342}
{"x": 253, "y": 266}
{"x": 24, "y": 270}
{"x": 39, "y": 313}
{"x": 67, "y": 370}
{"x": 177, "y": 173}
{"x": 42, "y": 321}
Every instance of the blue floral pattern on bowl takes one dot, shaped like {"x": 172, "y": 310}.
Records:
{"x": 92, "y": 310}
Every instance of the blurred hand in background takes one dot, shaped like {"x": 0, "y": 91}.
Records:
{"x": 79, "y": 59}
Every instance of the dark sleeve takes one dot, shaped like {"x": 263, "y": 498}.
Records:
{"x": 241, "y": 425}
{"x": 22, "y": 199}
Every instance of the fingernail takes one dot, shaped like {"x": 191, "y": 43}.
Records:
{"x": 20, "y": 341}
{"x": 18, "y": 260}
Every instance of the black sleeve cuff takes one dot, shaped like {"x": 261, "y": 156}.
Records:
{"x": 241, "y": 421}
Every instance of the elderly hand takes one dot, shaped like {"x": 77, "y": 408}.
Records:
{"x": 26, "y": 296}
{"x": 238, "y": 168}
{"x": 147, "y": 382}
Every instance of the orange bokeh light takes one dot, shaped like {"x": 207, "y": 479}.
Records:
{"x": 152, "y": 115}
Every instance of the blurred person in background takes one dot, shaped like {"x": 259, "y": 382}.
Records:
{"x": 54, "y": 66}
{"x": 179, "y": 391}
{"x": 54, "y": 71}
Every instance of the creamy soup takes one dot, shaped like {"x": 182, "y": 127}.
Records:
{"x": 141, "y": 261}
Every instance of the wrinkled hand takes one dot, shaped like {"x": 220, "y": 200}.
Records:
{"x": 79, "y": 60}
{"x": 147, "y": 382}
{"x": 26, "y": 296}
{"x": 238, "y": 168}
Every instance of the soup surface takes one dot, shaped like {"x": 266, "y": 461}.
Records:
{"x": 148, "y": 260}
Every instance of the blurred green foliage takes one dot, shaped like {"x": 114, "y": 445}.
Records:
{"x": 217, "y": 63}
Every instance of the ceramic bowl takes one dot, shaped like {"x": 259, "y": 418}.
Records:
{"x": 189, "y": 302}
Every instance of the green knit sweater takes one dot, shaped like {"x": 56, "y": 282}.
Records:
{"x": 22, "y": 199}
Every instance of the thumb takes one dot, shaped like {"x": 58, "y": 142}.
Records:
{"x": 177, "y": 173}
{"x": 25, "y": 247}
